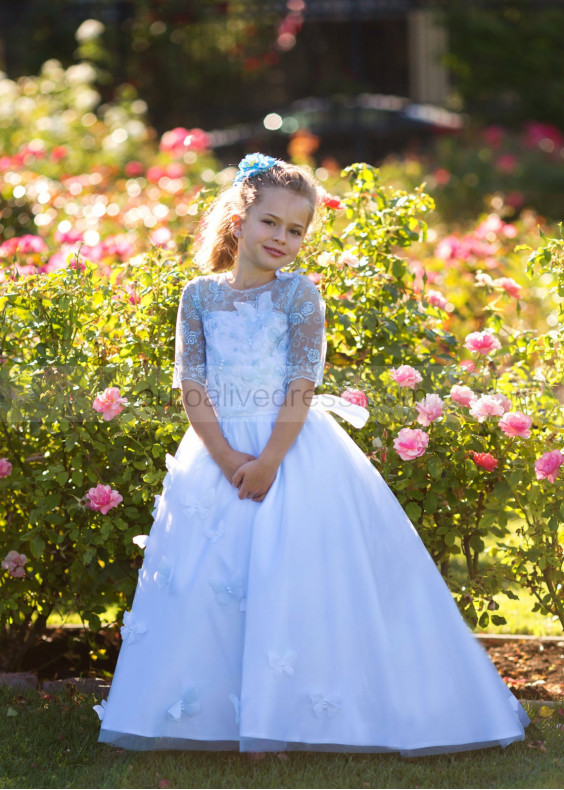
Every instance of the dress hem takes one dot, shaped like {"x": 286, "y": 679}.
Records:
{"x": 134, "y": 742}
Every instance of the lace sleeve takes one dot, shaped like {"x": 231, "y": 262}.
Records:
{"x": 306, "y": 350}
{"x": 190, "y": 350}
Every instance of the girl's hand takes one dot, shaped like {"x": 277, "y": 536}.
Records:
{"x": 254, "y": 478}
{"x": 232, "y": 461}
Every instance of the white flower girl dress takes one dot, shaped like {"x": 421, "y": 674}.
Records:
{"x": 315, "y": 620}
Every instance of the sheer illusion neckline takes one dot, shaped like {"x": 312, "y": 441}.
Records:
{"x": 256, "y": 288}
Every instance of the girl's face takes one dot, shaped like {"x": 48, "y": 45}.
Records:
{"x": 272, "y": 231}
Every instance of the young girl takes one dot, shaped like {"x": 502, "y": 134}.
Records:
{"x": 285, "y": 600}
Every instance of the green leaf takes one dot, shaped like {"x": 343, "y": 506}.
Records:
{"x": 484, "y": 620}
{"x": 430, "y": 503}
{"x": 435, "y": 466}
{"x": 477, "y": 543}
{"x": 497, "y": 619}
{"x": 37, "y": 546}
{"x": 413, "y": 511}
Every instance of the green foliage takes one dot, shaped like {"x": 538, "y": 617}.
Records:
{"x": 69, "y": 335}
{"x": 503, "y": 54}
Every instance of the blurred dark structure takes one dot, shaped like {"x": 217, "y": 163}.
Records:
{"x": 213, "y": 64}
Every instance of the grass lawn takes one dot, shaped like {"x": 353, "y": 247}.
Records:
{"x": 53, "y": 743}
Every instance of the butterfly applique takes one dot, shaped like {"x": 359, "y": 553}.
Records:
{"x": 284, "y": 664}
{"x": 131, "y": 629}
{"x": 258, "y": 316}
{"x": 200, "y": 506}
{"x": 324, "y": 707}
{"x": 188, "y": 704}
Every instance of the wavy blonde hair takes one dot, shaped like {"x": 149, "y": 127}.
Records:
{"x": 216, "y": 244}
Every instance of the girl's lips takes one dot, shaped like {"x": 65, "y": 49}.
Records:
{"x": 272, "y": 251}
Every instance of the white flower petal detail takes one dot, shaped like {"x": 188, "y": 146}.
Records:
{"x": 188, "y": 704}
{"x": 163, "y": 575}
{"x": 281, "y": 665}
{"x": 171, "y": 462}
{"x": 234, "y": 699}
{"x": 101, "y": 709}
{"x": 215, "y": 531}
{"x": 324, "y": 707}
{"x": 228, "y": 591}
{"x": 131, "y": 629}
{"x": 175, "y": 711}
{"x": 141, "y": 540}
{"x": 156, "y": 505}
{"x": 199, "y": 507}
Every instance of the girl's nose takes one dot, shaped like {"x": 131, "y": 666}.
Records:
{"x": 278, "y": 234}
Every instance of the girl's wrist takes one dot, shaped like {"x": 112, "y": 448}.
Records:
{"x": 270, "y": 458}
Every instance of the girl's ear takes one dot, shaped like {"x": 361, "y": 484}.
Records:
{"x": 236, "y": 224}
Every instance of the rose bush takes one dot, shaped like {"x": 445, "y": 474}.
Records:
{"x": 463, "y": 383}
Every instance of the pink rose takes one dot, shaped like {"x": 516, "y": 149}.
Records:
{"x": 482, "y": 342}
{"x": 178, "y": 141}
{"x": 315, "y": 277}
{"x": 485, "y": 460}
{"x": 330, "y": 201}
{"x": 5, "y": 467}
{"x": 462, "y": 394}
{"x": 509, "y": 285}
{"x": 430, "y": 408}
{"x": 348, "y": 259}
{"x": 483, "y": 278}
{"x": 173, "y": 141}
{"x": 355, "y": 396}
{"x": 118, "y": 246}
{"x": 515, "y": 423}
{"x": 442, "y": 176}
{"x": 160, "y": 236}
{"x": 77, "y": 263}
{"x": 468, "y": 365}
{"x": 24, "y": 245}
{"x": 132, "y": 294}
{"x": 109, "y": 403}
{"x": 410, "y": 443}
{"x": 486, "y": 406}
{"x": 406, "y": 376}
{"x": 103, "y": 498}
{"x": 494, "y": 135}
{"x": 436, "y": 299}
{"x": 155, "y": 173}
{"x": 548, "y": 465}
{"x": 503, "y": 400}
{"x": 134, "y": 168}
{"x": 14, "y": 563}
{"x": 506, "y": 163}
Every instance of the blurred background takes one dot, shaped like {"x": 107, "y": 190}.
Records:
{"x": 367, "y": 77}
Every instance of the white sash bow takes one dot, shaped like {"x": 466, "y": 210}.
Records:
{"x": 351, "y": 412}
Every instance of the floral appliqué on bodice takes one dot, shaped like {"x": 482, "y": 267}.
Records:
{"x": 246, "y": 346}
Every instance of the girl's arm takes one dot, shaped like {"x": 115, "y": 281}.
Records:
{"x": 190, "y": 376}
{"x": 253, "y": 479}
{"x": 306, "y": 354}
{"x": 203, "y": 420}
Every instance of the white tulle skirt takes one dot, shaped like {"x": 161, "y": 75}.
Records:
{"x": 315, "y": 620}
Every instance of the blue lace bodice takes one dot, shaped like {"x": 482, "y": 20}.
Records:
{"x": 246, "y": 346}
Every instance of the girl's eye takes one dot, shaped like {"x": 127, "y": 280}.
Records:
{"x": 268, "y": 222}
{"x": 297, "y": 232}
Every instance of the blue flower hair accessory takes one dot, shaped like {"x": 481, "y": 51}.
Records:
{"x": 253, "y": 164}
